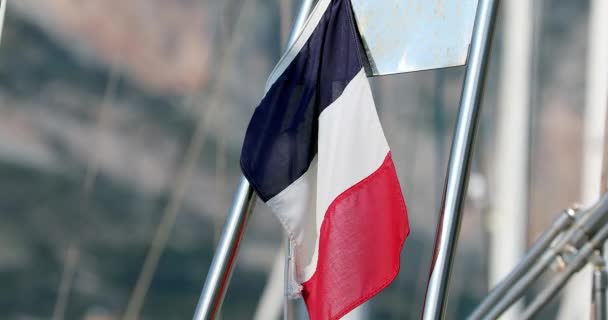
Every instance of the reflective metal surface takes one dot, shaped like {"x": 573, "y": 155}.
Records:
{"x": 459, "y": 161}
{"x": 220, "y": 271}
{"x": 411, "y": 35}
{"x": 305, "y": 9}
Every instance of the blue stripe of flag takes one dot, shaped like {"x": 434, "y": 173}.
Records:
{"x": 281, "y": 140}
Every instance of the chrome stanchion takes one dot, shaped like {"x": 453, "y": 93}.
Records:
{"x": 459, "y": 161}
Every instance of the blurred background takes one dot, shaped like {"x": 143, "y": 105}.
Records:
{"x": 120, "y": 130}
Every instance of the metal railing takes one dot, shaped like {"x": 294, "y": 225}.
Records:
{"x": 573, "y": 240}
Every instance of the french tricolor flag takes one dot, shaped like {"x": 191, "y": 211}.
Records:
{"x": 315, "y": 152}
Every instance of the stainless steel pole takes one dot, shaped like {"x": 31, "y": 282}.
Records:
{"x": 459, "y": 162}
{"x": 305, "y": 9}
{"x": 243, "y": 202}
{"x": 220, "y": 271}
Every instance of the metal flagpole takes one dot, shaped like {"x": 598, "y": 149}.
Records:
{"x": 459, "y": 161}
{"x": 243, "y": 202}
{"x": 223, "y": 260}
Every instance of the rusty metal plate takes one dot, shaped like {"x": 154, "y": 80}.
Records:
{"x": 412, "y": 35}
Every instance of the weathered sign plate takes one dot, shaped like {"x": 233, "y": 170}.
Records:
{"x": 412, "y": 35}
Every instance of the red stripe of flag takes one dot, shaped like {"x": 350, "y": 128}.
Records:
{"x": 359, "y": 246}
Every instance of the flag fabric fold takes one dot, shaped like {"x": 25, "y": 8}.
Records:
{"x": 315, "y": 152}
